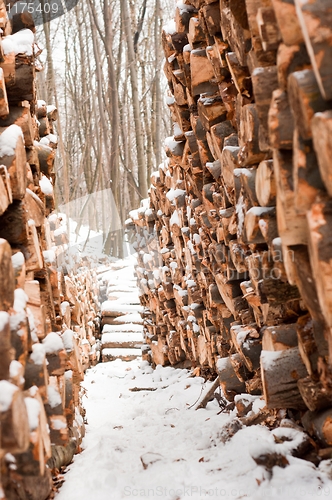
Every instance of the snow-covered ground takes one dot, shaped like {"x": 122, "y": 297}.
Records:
{"x": 144, "y": 439}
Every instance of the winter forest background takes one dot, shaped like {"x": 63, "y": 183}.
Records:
{"x": 103, "y": 70}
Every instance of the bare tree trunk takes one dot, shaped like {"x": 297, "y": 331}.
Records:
{"x": 141, "y": 163}
{"x": 157, "y": 86}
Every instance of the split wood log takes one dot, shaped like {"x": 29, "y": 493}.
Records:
{"x": 4, "y": 109}
{"x": 229, "y": 382}
{"x": 280, "y": 121}
{"x": 5, "y": 346}
{"x": 288, "y": 22}
{"x": 280, "y": 372}
{"x": 305, "y": 100}
{"x": 315, "y": 19}
{"x": 14, "y": 419}
{"x": 314, "y": 394}
{"x": 307, "y": 180}
{"x": 7, "y": 282}
{"x": 279, "y": 337}
{"x": 319, "y": 425}
{"x": 321, "y": 131}
{"x": 21, "y": 116}
{"x": 319, "y": 251}
{"x": 14, "y": 158}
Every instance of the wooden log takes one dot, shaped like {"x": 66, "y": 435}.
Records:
{"x": 23, "y": 89}
{"x": 252, "y": 220}
{"x": 32, "y": 462}
{"x": 211, "y": 111}
{"x": 250, "y": 153}
{"x": 5, "y": 346}
{"x": 319, "y": 218}
{"x": 268, "y": 28}
{"x": 292, "y": 227}
{"x": 289, "y": 60}
{"x": 248, "y": 343}
{"x": 21, "y": 116}
{"x": 305, "y": 282}
{"x": 314, "y": 394}
{"x": 240, "y": 74}
{"x": 211, "y": 13}
{"x": 307, "y": 180}
{"x": 288, "y": 22}
{"x": 14, "y": 419}
{"x": 46, "y": 158}
{"x": 228, "y": 379}
{"x": 34, "y": 256}
{"x": 8, "y": 68}
{"x": 13, "y": 156}
{"x": 305, "y": 100}
{"x": 280, "y": 372}
{"x": 314, "y": 19}
{"x": 321, "y": 131}
{"x": 7, "y": 282}
{"x": 4, "y": 109}
{"x": 196, "y": 34}
{"x": 32, "y": 289}
{"x": 264, "y": 82}
{"x": 280, "y": 121}
{"x": 318, "y": 424}
{"x": 307, "y": 345}
{"x": 202, "y": 74}
{"x": 36, "y": 371}
{"x": 279, "y": 337}
{"x": 265, "y": 184}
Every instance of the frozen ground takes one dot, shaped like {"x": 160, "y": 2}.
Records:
{"x": 144, "y": 439}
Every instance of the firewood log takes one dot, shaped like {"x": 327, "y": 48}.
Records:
{"x": 321, "y": 127}
{"x": 250, "y": 153}
{"x": 268, "y": 28}
{"x": 280, "y": 121}
{"x": 202, "y": 74}
{"x": 23, "y": 89}
{"x": 305, "y": 100}
{"x": 20, "y": 116}
{"x": 7, "y": 282}
{"x": 292, "y": 226}
{"x": 315, "y": 396}
{"x": 288, "y": 22}
{"x": 318, "y": 424}
{"x": 265, "y": 184}
{"x": 14, "y": 419}
{"x": 314, "y": 21}
{"x": 248, "y": 342}
{"x": 318, "y": 220}
{"x": 280, "y": 372}
{"x": 264, "y": 82}
{"x": 307, "y": 180}
{"x": 4, "y": 109}
{"x": 14, "y": 158}
{"x": 279, "y": 337}
{"x": 5, "y": 346}
{"x": 228, "y": 379}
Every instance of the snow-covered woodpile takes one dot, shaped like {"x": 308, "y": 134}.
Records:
{"x": 46, "y": 315}
{"x": 234, "y": 243}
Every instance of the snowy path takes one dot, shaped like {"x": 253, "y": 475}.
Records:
{"x": 153, "y": 444}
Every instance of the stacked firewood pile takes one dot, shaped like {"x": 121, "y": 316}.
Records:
{"x": 234, "y": 243}
{"x": 47, "y": 316}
